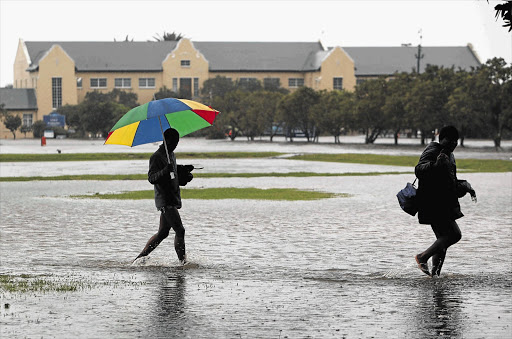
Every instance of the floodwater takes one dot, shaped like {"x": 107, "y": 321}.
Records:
{"x": 333, "y": 268}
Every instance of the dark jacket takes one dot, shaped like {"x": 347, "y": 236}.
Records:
{"x": 167, "y": 190}
{"x": 438, "y": 189}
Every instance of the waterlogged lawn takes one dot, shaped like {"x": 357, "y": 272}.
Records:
{"x": 225, "y": 193}
{"x": 468, "y": 165}
{"x": 28, "y": 283}
{"x": 130, "y": 156}
{"x": 105, "y": 177}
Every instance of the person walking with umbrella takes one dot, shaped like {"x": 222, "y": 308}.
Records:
{"x": 438, "y": 196}
{"x": 167, "y": 176}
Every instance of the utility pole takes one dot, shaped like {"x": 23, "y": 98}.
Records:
{"x": 419, "y": 56}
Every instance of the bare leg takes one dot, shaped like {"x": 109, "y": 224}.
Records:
{"x": 156, "y": 239}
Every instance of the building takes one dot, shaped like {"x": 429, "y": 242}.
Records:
{"x": 61, "y": 73}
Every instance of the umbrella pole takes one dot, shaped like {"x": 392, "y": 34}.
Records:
{"x": 165, "y": 143}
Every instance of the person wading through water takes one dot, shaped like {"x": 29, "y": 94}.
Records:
{"x": 438, "y": 198}
{"x": 167, "y": 176}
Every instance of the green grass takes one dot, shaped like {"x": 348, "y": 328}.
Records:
{"x": 468, "y": 165}
{"x": 28, "y": 283}
{"x": 109, "y": 177}
{"x": 129, "y": 156}
{"x": 225, "y": 193}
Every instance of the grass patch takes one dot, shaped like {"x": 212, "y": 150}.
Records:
{"x": 109, "y": 177}
{"x": 27, "y": 283}
{"x": 289, "y": 194}
{"x": 129, "y": 156}
{"x": 468, "y": 165}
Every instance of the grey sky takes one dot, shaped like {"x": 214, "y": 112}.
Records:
{"x": 342, "y": 23}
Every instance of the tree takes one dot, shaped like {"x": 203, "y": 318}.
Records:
{"x": 260, "y": 112}
{"x": 12, "y": 123}
{"x": 493, "y": 86}
{"x": 334, "y": 112}
{"x": 395, "y": 104}
{"x": 505, "y": 11}
{"x": 296, "y": 110}
{"x": 165, "y": 92}
{"x": 370, "y": 99}
{"x": 216, "y": 87}
{"x": 38, "y": 128}
{"x": 168, "y": 36}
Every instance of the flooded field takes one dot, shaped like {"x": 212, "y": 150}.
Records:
{"x": 333, "y": 268}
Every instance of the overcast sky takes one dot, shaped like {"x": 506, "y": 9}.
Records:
{"x": 334, "y": 23}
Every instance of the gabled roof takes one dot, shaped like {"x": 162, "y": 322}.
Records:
{"x": 148, "y": 56}
{"x": 107, "y": 55}
{"x": 18, "y": 98}
{"x": 371, "y": 61}
{"x": 260, "y": 56}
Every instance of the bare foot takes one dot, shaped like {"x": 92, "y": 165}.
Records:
{"x": 423, "y": 266}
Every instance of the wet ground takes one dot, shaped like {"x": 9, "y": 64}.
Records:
{"x": 340, "y": 267}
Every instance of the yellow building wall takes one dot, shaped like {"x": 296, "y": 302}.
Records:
{"x": 56, "y": 63}
{"x": 282, "y": 76}
{"x": 22, "y": 78}
{"x": 337, "y": 64}
{"x": 143, "y": 94}
{"x": 172, "y": 67}
{"x": 6, "y": 134}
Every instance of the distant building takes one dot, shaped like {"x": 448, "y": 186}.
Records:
{"x": 60, "y": 73}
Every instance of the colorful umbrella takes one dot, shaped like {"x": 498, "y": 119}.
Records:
{"x": 146, "y": 123}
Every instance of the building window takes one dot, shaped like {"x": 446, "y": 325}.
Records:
{"x": 78, "y": 82}
{"x": 146, "y": 82}
{"x": 185, "y": 63}
{"x": 271, "y": 83}
{"x": 196, "y": 87}
{"x": 337, "y": 83}
{"x": 295, "y": 82}
{"x": 98, "y": 82}
{"x": 27, "y": 119}
{"x": 56, "y": 92}
{"x": 123, "y": 83}
{"x": 175, "y": 85}
{"x": 245, "y": 81}
{"x": 360, "y": 81}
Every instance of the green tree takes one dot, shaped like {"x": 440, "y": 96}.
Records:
{"x": 370, "y": 99}
{"x": 165, "y": 92}
{"x": 334, "y": 113}
{"x": 38, "y": 128}
{"x": 296, "y": 110}
{"x": 12, "y": 123}
{"x": 395, "y": 104}
{"x": 73, "y": 115}
{"x": 216, "y": 88}
{"x": 493, "y": 85}
{"x": 250, "y": 85}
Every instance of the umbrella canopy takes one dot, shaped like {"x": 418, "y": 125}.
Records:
{"x": 146, "y": 123}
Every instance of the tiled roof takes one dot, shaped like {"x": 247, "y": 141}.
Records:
{"x": 388, "y": 60}
{"x": 250, "y": 56}
{"x": 18, "y": 98}
{"x": 260, "y": 56}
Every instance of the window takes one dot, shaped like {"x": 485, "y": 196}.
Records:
{"x": 271, "y": 83}
{"x": 56, "y": 92}
{"x": 337, "y": 83}
{"x": 360, "y": 81}
{"x": 27, "y": 119}
{"x": 245, "y": 81}
{"x": 98, "y": 82}
{"x": 295, "y": 82}
{"x": 185, "y": 63}
{"x": 146, "y": 82}
{"x": 123, "y": 83}
{"x": 79, "y": 83}
{"x": 196, "y": 87}
{"x": 175, "y": 85}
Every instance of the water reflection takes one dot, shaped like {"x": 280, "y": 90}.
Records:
{"x": 170, "y": 314}
{"x": 438, "y": 310}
